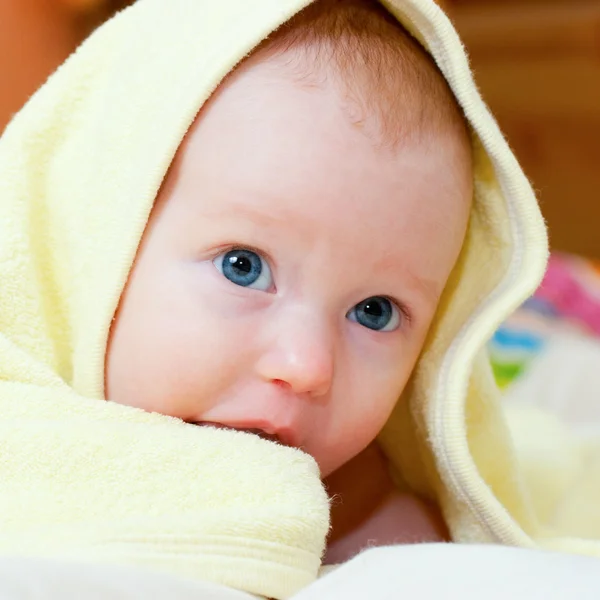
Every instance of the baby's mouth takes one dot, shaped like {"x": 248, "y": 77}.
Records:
{"x": 272, "y": 437}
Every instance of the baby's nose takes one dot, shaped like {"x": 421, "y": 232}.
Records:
{"x": 301, "y": 357}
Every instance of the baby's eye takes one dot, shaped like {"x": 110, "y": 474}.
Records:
{"x": 377, "y": 313}
{"x": 245, "y": 268}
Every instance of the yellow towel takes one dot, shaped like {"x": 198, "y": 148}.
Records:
{"x": 85, "y": 480}
{"x": 80, "y": 167}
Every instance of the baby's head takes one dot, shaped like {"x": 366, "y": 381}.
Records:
{"x": 297, "y": 250}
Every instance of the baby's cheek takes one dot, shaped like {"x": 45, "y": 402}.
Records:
{"x": 360, "y": 406}
{"x": 355, "y": 432}
{"x": 185, "y": 372}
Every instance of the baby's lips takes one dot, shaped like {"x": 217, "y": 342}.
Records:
{"x": 264, "y": 430}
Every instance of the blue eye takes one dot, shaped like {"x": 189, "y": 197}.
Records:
{"x": 245, "y": 268}
{"x": 376, "y": 313}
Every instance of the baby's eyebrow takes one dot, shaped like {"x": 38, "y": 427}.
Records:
{"x": 428, "y": 288}
{"x": 269, "y": 219}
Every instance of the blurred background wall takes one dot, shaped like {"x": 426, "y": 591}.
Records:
{"x": 35, "y": 37}
{"x": 537, "y": 63}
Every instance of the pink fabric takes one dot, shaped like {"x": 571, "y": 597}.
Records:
{"x": 572, "y": 287}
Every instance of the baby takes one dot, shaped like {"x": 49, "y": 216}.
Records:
{"x": 296, "y": 254}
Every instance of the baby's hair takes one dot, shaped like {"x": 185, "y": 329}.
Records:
{"x": 382, "y": 69}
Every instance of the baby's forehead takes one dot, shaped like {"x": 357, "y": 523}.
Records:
{"x": 383, "y": 73}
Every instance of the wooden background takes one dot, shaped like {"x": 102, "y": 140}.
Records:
{"x": 35, "y": 37}
{"x": 537, "y": 63}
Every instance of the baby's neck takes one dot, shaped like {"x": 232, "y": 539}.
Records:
{"x": 357, "y": 489}
{"x": 367, "y": 510}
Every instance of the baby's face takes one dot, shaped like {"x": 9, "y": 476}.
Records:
{"x": 290, "y": 269}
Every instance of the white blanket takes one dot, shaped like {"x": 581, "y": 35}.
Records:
{"x": 429, "y": 571}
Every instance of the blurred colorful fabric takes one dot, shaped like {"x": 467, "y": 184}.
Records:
{"x": 567, "y": 301}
